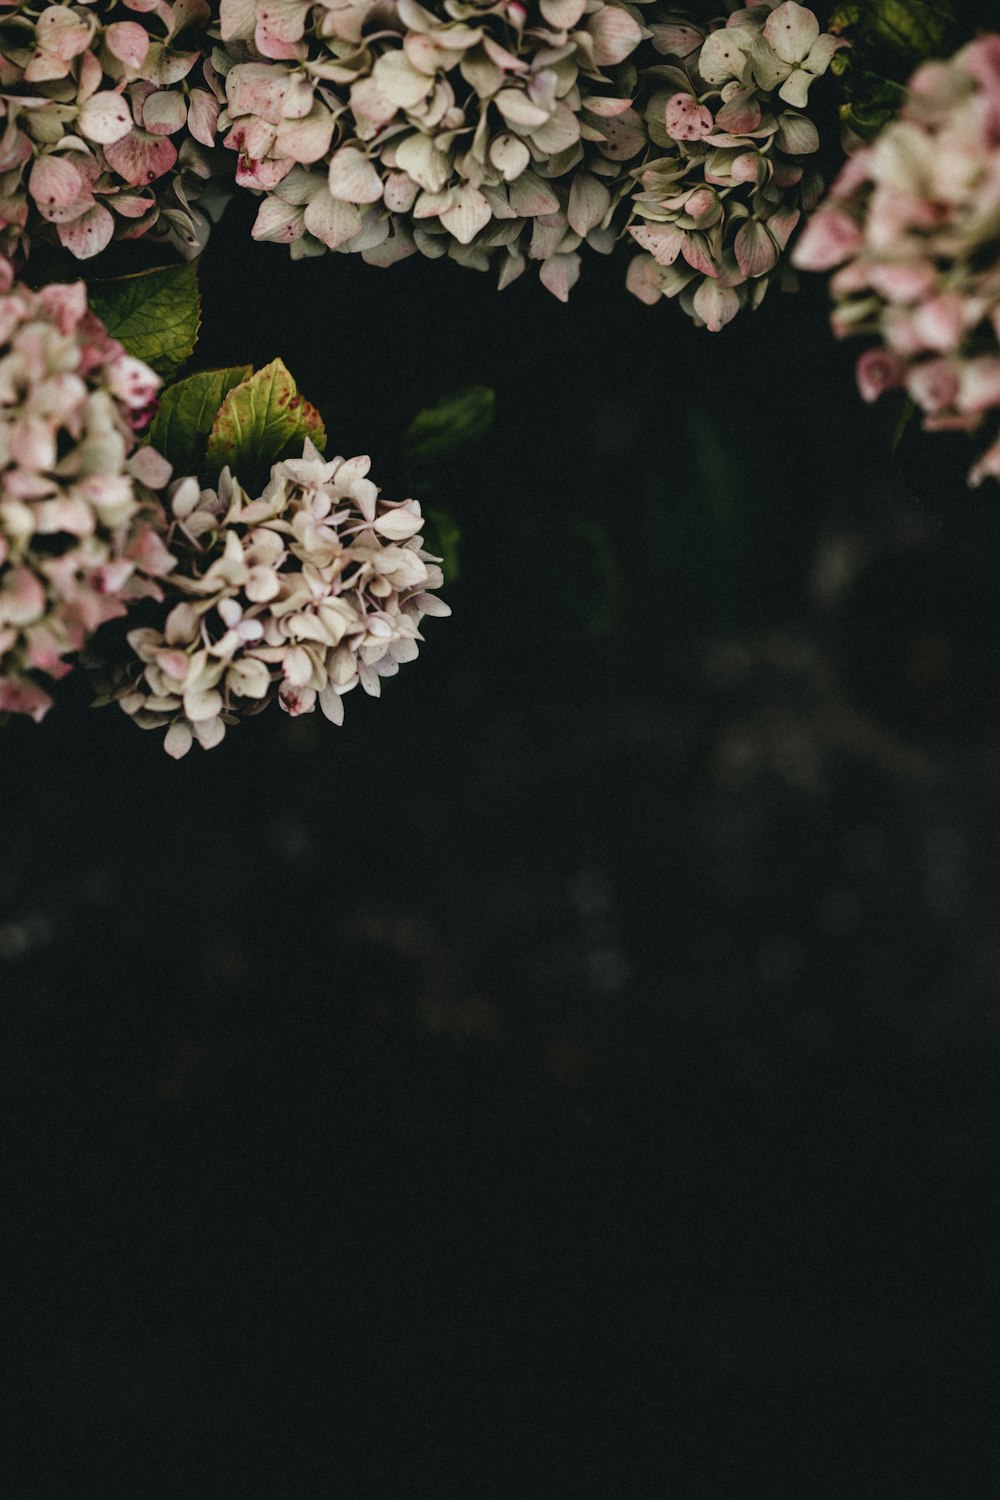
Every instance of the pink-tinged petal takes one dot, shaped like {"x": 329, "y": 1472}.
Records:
{"x": 203, "y": 116}
{"x": 129, "y": 42}
{"x": 686, "y": 119}
{"x": 663, "y": 241}
{"x": 280, "y": 223}
{"x": 675, "y": 39}
{"x": 829, "y": 238}
{"x": 19, "y": 695}
{"x": 642, "y": 279}
{"x": 178, "y": 740}
{"x": 399, "y": 524}
{"x": 263, "y": 175}
{"x": 55, "y": 183}
{"x": 724, "y": 54}
{"x": 140, "y": 157}
{"x": 91, "y": 77}
{"x": 332, "y": 705}
{"x": 258, "y": 89}
{"x": 902, "y": 281}
{"x": 61, "y": 33}
{"x": 559, "y": 275}
{"x": 933, "y": 384}
{"x": 696, "y": 252}
{"x": 940, "y": 323}
{"x": 606, "y": 108}
{"x": 150, "y": 468}
{"x": 296, "y": 700}
{"x": 133, "y": 382}
{"x": 331, "y": 220}
{"x": 740, "y": 114}
{"x": 353, "y": 178}
{"x": 467, "y": 214}
{"x": 88, "y": 235}
{"x": 32, "y": 443}
{"x": 979, "y": 384}
{"x": 237, "y": 19}
{"x": 209, "y": 733}
{"x": 129, "y": 206}
{"x": 756, "y": 252}
{"x": 615, "y": 33}
{"x": 306, "y": 141}
{"x": 269, "y": 45}
{"x": 790, "y": 31}
{"x": 715, "y": 305}
{"x": 988, "y": 467}
{"x": 23, "y": 598}
{"x": 878, "y": 371}
{"x": 782, "y": 225}
{"x": 105, "y": 118}
{"x": 165, "y": 112}
{"x": 589, "y": 201}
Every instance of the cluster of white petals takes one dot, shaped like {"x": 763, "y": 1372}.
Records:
{"x": 106, "y": 124}
{"x": 79, "y": 517}
{"x": 300, "y": 595}
{"x": 912, "y": 226}
{"x": 728, "y": 177}
{"x": 480, "y": 129}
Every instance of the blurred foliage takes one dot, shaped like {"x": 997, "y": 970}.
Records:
{"x": 702, "y": 509}
{"x": 437, "y": 436}
{"x": 889, "y": 39}
{"x": 155, "y": 314}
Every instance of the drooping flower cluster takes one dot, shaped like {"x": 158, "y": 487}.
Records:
{"x": 299, "y": 595}
{"x": 913, "y": 224}
{"x": 79, "y": 519}
{"x": 729, "y": 180}
{"x": 478, "y": 129}
{"x": 106, "y": 124}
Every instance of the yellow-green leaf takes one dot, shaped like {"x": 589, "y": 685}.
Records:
{"x": 262, "y": 420}
{"x": 186, "y": 413}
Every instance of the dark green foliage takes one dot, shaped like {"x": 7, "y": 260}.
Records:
{"x": 155, "y": 314}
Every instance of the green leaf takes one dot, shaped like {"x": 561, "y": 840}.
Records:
{"x": 186, "y": 413}
{"x": 155, "y": 314}
{"x": 262, "y": 420}
{"x": 443, "y": 536}
{"x": 439, "y": 433}
{"x": 888, "y": 39}
{"x": 917, "y": 28}
{"x": 704, "y": 511}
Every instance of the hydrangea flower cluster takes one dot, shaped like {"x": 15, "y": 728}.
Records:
{"x": 79, "y": 519}
{"x": 913, "y": 224}
{"x": 299, "y": 595}
{"x": 729, "y": 180}
{"x": 479, "y": 129}
{"x": 105, "y": 126}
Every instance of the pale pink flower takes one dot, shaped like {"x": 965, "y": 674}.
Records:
{"x": 910, "y": 231}
{"x": 78, "y": 509}
{"x": 105, "y": 127}
{"x": 299, "y": 596}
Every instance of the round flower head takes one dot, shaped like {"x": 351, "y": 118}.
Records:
{"x": 913, "y": 224}
{"x": 729, "y": 178}
{"x": 105, "y": 124}
{"x": 299, "y": 596}
{"x": 78, "y": 520}
{"x": 479, "y": 129}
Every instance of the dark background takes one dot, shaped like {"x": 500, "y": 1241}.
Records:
{"x": 577, "y": 1075}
